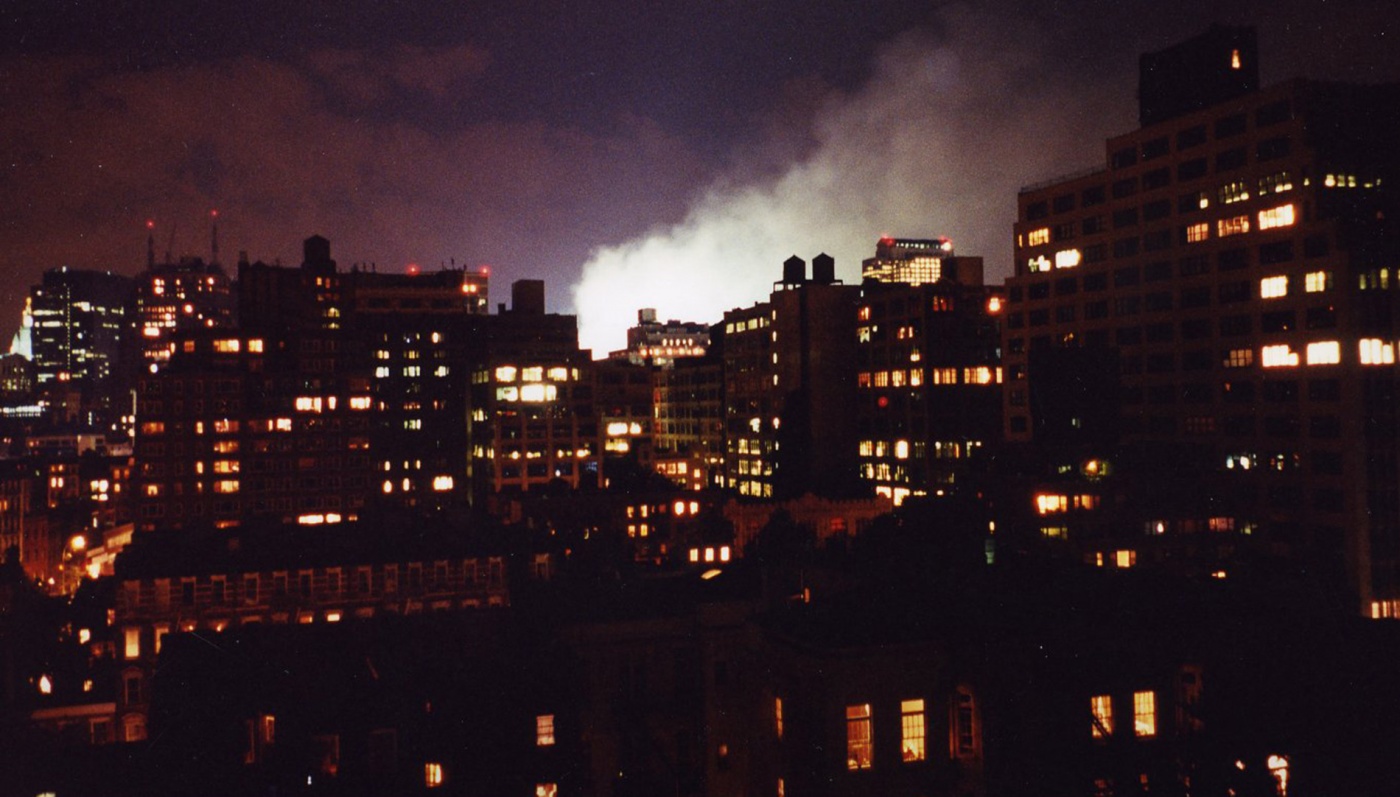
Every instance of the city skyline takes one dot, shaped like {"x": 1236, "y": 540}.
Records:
{"x": 582, "y": 148}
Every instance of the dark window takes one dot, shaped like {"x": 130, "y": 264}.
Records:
{"x": 1273, "y": 113}
{"x": 1194, "y": 392}
{"x": 1125, "y": 187}
{"x": 1159, "y": 333}
{"x": 1091, "y": 225}
{"x": 1095, "y": 253}
{"x": 1326, "y": 500}
{"x": 1014, "y": 293}
{"x": 1096, "y": 282}
{"x": 1161, "y": 363}
{"x": 1327, "y": 462}
{"x": 1191, "y": 137}
{"x": 1158, "y": 302}
{"x": 1231, "y": 292}
{"x": 1237, "y": 392}
{"x": 1328, "y": 426}
{"x": 1239, "y": 426}
{"x": 1158, "y": 271}
{"x": 1157, "y": 178}
{"x": 1231, "y": 159}
{"x": 1066, "y": 286}
{"x": 1015, "y": 321}
{"x": 1233, "y": 326}
{"x": 1016, "y": 346}
{"x": 1190, "y": 203}
{"x": 1038, "y": 290}
{"x": 1037, "y": 210}
{"x": 1232, "y": 259}
{"x": 1124, "y": 157}
{"x": 1156, "y": 148}
{"x": 1281, "y": 426}
{"x": 1278, "y": 321}
{"x": 1039, "y": 318}
{"x": 1271, "y": 148}
{"x": 1127, "y": 305}
{"x": 1125, "y": 247}
{"x": 1064, "y": 232}
{"x": 1316, "y": 245}
{"x": 1093, "y": 195}
{"x": 1128, "y": 336}
{"x": 1125, "y": 218}
{"x": 1320, "y": 318}
{"x": 1097, "y": 309}
{"x": 1195, "y": 328}
{"x": 1064, "y": 313}
{"x": 1128, "y": 275}
{"x": 1064, "y": 203}
{"x": 1280, "y": 391}
{"x": 1096, "y": 338}
{"x": 1276, "y": 252}
{"x": 1195, "y": 297}
{"x": 1157, "y": 209}
{"x": 1232, "y": 125}
{"x": 1131, "y": 365}
{"x": 1018, "y": 423}
{"x": 1324, "y": 389}
{"x": 1197, "y": 360}
{"x": 1157, "y": 240}
{"x": 1194, "y": 265}
{"x": 1191, "y": 170}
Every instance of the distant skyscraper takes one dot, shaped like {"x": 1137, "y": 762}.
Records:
{"x": 79, "y": 319}
{"x": 180, "y": 297}
{"x": 929, "y": 369}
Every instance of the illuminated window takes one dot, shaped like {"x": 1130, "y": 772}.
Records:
{"x": 544, "y": 730}
{"x": 226, "y": 486}
{"x": 1324, "y": 352}
{"x": 505, "y": 373}
{"x": 1281, "y": 216}
{"x": 532, "y": 374}
{"x": 1375, "y": 351}
{"x": 1144, "y": 714}
{"x": 1046, "y": 504}
{"x": 964, "y": 731}
{"x": 546, "y": 790}
{"x": 778, "y": 716}
{"x": 227, "y": 346}
{"x": 1038, "y": 237}
{"x": 1232, "y": 226}
{"x": 1233, "y": 192}
{"x": 1196, "y": 233}
{"x": 131, "y": 638}
{"x": 859, "y": 741}
{"x": 912, "y": 731}
{"x": 1038, "y": 263}
{"x": 1101, "y": 707}
{"x": 1239, "y": 358}
{"x": 1068, "y": 258}
{"x": 1273, "y": 287}
{"x": 432, "y": 775}
{"x": 1124, "y": 559}
{"x": 1278, "y": 356}
{"x": 1317, "y": 281}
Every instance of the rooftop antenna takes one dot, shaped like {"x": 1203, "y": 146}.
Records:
{"x": 171, "y": 243}
{"x": 214, "y": 236}
{"x": 150, "y": 243}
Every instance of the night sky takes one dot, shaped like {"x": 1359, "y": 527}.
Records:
{"x": 632, "y": 154}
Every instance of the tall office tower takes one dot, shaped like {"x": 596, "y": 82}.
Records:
{"x": 1210, "y": 322}
{"x": 928, "y": 369}
{"x": 789, "y": 387}
{"x": 532, "y": 422}
{"x": 178, "y": 297}
{"x": 78, "y": 324}
{"x": 424, "y": 334}
{"x": 689, "y": 441}
{"x": 340, "y": 393}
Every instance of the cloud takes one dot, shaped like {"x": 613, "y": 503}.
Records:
{"x": 321, "y": 144}
{"x": 937, "y": 142}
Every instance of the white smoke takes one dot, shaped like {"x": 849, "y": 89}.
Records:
{"x": 937, "y": 143}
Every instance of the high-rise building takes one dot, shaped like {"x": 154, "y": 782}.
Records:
{"x": 789, "y": 386}
{"x": 79, "y": 317}
{"x": 653, "y": 342}
{"x": 179, "y": 297}
{"x": 1210, "y": 323}
{"x": 928, "y": 369}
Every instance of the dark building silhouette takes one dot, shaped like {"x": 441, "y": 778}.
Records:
{"x": 1202, "y": 334}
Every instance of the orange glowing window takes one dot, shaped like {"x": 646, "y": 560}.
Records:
{"x": 859, "y": 739}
